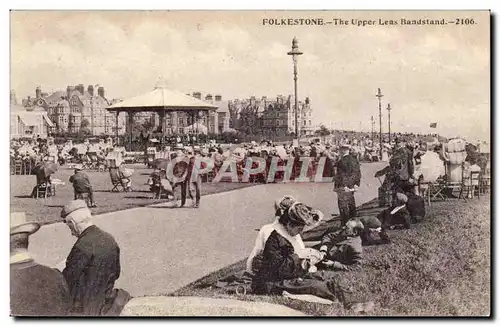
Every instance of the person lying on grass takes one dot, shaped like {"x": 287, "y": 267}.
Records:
{"x": 372, "y": 225}
{"x": 288, "y": 266}
{"x": 396, "y": 215}
{"x": 342, "y": 249}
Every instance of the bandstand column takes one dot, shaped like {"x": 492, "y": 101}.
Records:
{"x": 131, "y": 126}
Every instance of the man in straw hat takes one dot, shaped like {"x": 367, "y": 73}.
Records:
{"x": 81, "y": 185}
{"x": 35, "y": 290}
{"x": 93, "y": 264}
{"x": 347, "y": 180}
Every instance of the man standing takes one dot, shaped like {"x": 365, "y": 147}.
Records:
{"x": 81, "y": 185}
{"x": 35, "y": 290}
{"x": 347, "y": 180}
{"x": 93, "y": 264}
{"x": 402, "y": 167}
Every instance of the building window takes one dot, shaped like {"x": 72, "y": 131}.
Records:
{"x": 309, "y": 122}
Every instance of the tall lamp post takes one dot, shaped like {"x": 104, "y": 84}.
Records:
{"x": 389, "y": 118}
{"x": 295, "y": 53}
{"x": 379, "y": 96}
{"x": 373, "y": 130}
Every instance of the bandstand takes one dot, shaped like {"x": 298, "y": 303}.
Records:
{"x": 164, "y": 102}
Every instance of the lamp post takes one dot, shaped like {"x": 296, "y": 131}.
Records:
{"x": 379, "y": 96}
{"x": 295, "y": 53}
{"x": 373, "y": 132}
{"x": 389, "y": 118}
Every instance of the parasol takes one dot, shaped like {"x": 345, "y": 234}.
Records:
{"x": 45, "y": 169}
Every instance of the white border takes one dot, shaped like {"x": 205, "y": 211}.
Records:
{"x": 186, "y": 4}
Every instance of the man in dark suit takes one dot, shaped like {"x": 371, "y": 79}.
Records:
{"x": 81, "y": 185}
{"x": 347, "y": 180}
{"x": 402, "y": 168}
{"x": 35, "y": 290}
{"x": 93, "y": 264}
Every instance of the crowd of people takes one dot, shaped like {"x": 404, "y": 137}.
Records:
{"x": 84, "y": 284}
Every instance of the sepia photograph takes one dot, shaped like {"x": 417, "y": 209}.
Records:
{"x": 257, "y": 163}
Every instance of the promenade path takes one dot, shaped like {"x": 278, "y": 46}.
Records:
{"x": 165, "y": 248}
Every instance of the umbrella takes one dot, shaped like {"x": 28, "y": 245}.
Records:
{"x": 45, "y": 169}
{"x": 160, "y": 163}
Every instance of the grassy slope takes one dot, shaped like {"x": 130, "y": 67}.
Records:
{"x": 441, "y": 267}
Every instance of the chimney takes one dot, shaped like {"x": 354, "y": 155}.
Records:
{"x": 208, "y": 97}
{"x": 218, "y": 98}
{"x": 197, "y": 95}
{"x": 100, "y": 91}
{"x": 90, "y": 89}
{"x": 13, "y": 99}
{"x": 308, "y": 101}
{"x": 80, "y": 88}
{"x": 38, "y": 92}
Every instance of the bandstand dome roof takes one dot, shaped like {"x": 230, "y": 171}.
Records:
{"x": 162, "y": 98}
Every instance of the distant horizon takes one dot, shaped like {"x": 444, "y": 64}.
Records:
{"x": 427, "y": 74}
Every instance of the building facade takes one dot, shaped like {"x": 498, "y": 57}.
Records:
{"x": 78, "y": 108}
{"x": 270, "y": 117}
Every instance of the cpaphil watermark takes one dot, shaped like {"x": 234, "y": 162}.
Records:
{"x": 308, "y": 168}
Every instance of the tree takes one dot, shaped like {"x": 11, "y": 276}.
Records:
{"x": 322, "y": 132}
{"x": 84, "y": 128}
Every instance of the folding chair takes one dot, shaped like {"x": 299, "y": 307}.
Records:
{"x": 86, "y": 162}
{"x": 44, "y": 190}
{"x": 18, "y": 167}
{"x": 436, "y": 190}
{"x": 470, "y": 186}
{"x": 484, "y": 183}
{"x": 116, "y": 180}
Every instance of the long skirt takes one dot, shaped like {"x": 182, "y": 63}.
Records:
{"x": 324, "y": 284}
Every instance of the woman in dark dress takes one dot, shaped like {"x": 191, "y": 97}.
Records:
{"x": 288, "y": 266}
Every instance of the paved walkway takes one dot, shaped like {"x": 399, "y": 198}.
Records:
{"x": 164, "y": 248}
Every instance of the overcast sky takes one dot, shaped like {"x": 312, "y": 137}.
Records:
{"x": 428, "y": 74}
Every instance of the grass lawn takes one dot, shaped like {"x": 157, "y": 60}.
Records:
{"x": 441, "y": 267}
{"x": 47, "y": 210}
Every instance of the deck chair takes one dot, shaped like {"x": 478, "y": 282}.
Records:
{"x": 94, "y": 161}
{"x": 86, "y": 162}
{"x": 117, "y": 180}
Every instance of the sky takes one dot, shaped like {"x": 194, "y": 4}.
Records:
{"x": 427, "y": 73}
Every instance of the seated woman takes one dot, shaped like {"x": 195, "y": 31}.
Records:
{"x": 254, "y": 261}
{"x": 288, "y": 266}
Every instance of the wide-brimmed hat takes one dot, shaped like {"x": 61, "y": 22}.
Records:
{"x": 284, "y": 203}
{"x": 73, "y": 206}
{"x": 78, "y": 167}
{"x": 301, "y": 214}
{"x": 345, "y": 146}
{"x": 19, "y": 224}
